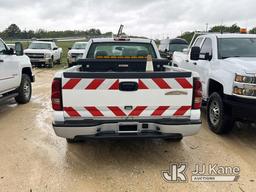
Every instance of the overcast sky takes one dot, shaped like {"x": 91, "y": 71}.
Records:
{"x": 152, "y": 18}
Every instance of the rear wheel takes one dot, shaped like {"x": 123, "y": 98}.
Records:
{"x": 218, "y": 115}
{"x": 51, "y": 63}
{"x": 59, "y": 61}
{"x": 75, "y": 140}
{"x": 177, "y": 139}
{"x": 25, "y": 90}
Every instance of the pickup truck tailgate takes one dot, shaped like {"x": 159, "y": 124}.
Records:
{"x": 127, "y": 95}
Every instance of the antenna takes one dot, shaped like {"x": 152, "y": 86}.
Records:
{"x": 120, "y": 31}
{"x": 221, "y": 27}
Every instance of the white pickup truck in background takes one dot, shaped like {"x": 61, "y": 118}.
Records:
{"x": 44, "y": 53}
{"x": 109, "y": 94}
{"x": 76, "y": 52}
{"x": 226, "y": 64}
{"x": 15, "y": 74}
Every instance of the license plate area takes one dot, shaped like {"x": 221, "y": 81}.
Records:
{"x": 128, "y": 128}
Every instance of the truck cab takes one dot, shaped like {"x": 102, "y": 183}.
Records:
{"x": 168, "y": 46}
{"x": 226, "y": 64}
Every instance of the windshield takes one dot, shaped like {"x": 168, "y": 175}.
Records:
{"x": 40, "y": 46}
{"x": 177, "y": 47}
{"x": 237, "y": 47}
{"x": 122, "y": 49}
{"x": 79, "y": 46}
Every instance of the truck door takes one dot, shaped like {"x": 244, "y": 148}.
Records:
{"x": 202, "y": 66}
{"x": 188, "y": 64}
{"x": 8, "y": 70}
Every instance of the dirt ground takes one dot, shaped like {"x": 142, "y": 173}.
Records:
{"x": 32, "y": 158}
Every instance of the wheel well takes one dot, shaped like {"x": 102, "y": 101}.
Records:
{"x": 27, "y": 71}
{"x": 215, "y": 86}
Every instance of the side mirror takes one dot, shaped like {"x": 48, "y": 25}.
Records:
{"x": 185, "y": 50}
{"x": 208, "y": 57}
{"x": 69, "y": 48}
{"x": 19, "y": 49}
{"x": 195, "y": 53}
{"x": 55, "y": 48}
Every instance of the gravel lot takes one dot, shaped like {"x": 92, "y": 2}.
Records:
{"x": 32, "y": 158}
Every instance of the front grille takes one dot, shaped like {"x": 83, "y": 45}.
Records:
{"x": 35, "y": 55}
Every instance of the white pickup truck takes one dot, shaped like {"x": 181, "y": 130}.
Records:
{"x": 226, "y": 64}
{"x": 44, "y": 53}
{"x": 109, "y": 94}
{"x": 76, "y": 52}
{"x": 15, "y": 74}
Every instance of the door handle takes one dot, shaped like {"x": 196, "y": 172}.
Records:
{"x": 187, "y": 60}
{"x": 195, "y": 63}
{"x": 1, "y": 61}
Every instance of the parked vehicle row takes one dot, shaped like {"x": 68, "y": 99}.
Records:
{"x": 226, "y": 64}
{"x": 15, "y": 74}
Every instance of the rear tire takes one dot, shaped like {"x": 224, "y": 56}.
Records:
{"x": 25, "y": 90}
{"x": 59, "y": 61}
{"x": 71, "y": 141}
{"x": 218, "y": 115}
{"x": 178, "y": 139}
{"x": 51, "y": 64}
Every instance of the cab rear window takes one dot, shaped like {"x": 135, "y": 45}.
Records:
{"x": 120, "y": 49}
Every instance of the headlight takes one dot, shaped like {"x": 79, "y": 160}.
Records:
{"x": 47, "y": 55}
{"x": 245, "y": 79}
{"x": 79, "y": 56}
{"x": 245, "y": 91}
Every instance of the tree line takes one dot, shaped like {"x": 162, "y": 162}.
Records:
{"x": 14, "y": 32}
{"x": 217, "y": 29}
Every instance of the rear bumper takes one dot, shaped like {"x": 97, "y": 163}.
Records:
{"x": 146, "y": 129}
{"x": 242, "y": 108}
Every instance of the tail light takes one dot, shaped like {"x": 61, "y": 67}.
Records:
{"x": 197, "y": 94}
{"x": 56, "y": 95}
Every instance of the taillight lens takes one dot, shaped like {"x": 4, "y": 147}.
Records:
{"x": 197, "y": 94}
{"x": 56, "y": 95}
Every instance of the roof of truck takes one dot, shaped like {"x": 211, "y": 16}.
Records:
{"x": 230, "y": 35}
{"x": 134, "y": 40}
{"x": 43, "y": 42}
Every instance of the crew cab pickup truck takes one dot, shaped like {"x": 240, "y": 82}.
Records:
{"x": 226, "y": 64}
{"x": 76, "y": 52}
{"x": 43, "y": 53}
{"x": 109, "y": 94}
{"x": 15, "y": 74}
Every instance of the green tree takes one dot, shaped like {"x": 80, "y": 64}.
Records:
{"x": 12, "y": 32}
{"x": 253, "y": 31}
{"x": 187, "y": 36}
{"x": 225, "y": 29}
